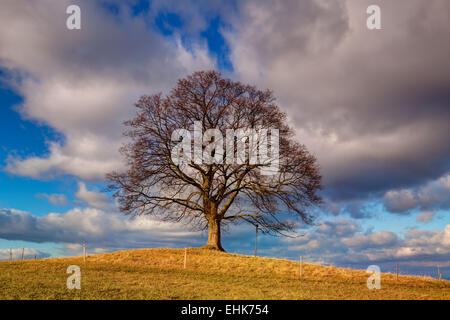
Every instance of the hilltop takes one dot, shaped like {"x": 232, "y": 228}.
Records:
{"x": 160, "y": 274}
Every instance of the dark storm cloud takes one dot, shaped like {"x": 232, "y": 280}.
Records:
{"x": 373, "y": 105}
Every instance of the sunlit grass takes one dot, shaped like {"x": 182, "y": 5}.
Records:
{"x": 159, "y": 274}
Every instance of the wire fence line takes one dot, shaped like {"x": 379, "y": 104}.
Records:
{"x": 21, "y": 254}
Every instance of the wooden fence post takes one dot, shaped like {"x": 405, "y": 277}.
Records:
{"x": 439, "y": 273}
{"x": 185, "y": 257}
{"x": 10, "y": 254}
{"x": 301, "y": 266}
{"x": 23, "y": 253}
{"x": 84, "y": 252}
{"x": 397, "y": 272}
{"x": 256, "y": 240}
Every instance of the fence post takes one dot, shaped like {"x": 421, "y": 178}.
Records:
{"x": 256, "y": 240}
{"x": 185, "y": 257}
{"x": 84, "y": 252}
{"x": 10, "y": 254}
{"x": 439, "y": 273}
{"x": 301, "y": 266}
{"x": 23, "y": 253}
{"x": 397, "y": 272}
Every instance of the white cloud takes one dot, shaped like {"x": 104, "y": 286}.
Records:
{"x": 99, "y": 229}
{"x": 340, "y": 242}
{"x": 55, "y": 199}
{"x": 94, "y": 199}
{"x": 84, "y": 83}
{"x": 415, "y": 247}
{"x": 384, "y": 239}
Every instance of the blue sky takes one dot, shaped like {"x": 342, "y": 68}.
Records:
{"x": 377, "y": 121}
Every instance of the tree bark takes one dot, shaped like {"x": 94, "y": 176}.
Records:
{"x": 214, "y": 236}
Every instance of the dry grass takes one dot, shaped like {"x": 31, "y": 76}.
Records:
{"x": 159, "y": 274}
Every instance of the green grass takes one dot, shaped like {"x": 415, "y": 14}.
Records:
{"x": 159, "y": 274}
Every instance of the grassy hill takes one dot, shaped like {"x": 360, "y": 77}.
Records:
{"x": 159, "y": 274}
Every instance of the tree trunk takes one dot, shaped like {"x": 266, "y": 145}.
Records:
{"x": 214, "y": 239}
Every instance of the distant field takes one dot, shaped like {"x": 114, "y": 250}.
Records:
{"x": 159, "y": 274}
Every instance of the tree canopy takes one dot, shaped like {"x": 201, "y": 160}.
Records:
{"x": 215, "y": 152}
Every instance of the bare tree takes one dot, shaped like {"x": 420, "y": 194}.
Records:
{"x": 234, "y": 185}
